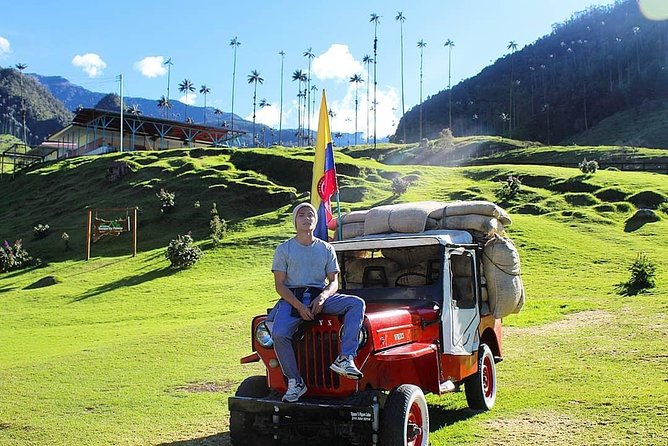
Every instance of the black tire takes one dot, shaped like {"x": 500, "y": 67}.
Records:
{"x": 405, "y": 418}
{"x": 480, "y": 388}
{"x": 241, "y": 424}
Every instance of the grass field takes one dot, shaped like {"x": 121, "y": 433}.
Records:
{"x": 126, "y": 351}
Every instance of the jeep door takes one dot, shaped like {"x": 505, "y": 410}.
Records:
{"x": 460, "y": 316}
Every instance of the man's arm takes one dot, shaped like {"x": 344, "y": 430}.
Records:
{"x": 331, "y": 288}
{"x": 287, "y": 295}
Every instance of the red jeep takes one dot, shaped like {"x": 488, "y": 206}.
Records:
{"x": 427, "y": 328}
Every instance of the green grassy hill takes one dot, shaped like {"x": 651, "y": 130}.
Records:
{"x": 126, "y": 351}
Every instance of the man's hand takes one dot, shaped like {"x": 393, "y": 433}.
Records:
{"x": 317, "y": 304}
{"x": 305, "y": 312}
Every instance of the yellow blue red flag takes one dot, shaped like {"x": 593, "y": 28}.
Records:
{"x": 324, "y": 183}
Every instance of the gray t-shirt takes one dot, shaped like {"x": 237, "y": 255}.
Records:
{"x": 305, "y": 265}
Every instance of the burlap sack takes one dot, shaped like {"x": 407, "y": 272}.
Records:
{"x": 476, "y": 207}
{"x": 407, "y": 257}
{"x": 473, "y": 222}
{"x": 502, "y": 272}
{"x": 355, "y": 268}
{"x": 350, "y": 230}
{"x": 404, "y": 217}
{"x": 350, "y": 217}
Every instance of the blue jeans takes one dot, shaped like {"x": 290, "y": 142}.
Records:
{"x": 285, "y": 325}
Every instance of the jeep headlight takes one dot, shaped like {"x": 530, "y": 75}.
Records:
{"x": 362, "y": 336}
{"x": 262, "y": 335}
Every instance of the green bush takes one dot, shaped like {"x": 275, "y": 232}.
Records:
{"x": 167, "y": 202}
{"x": 181, "y": 253}
{"x": 41, "y": 231}
{"x": 217, "y": 225}
{"x": 643, "y": 272}
{"x": 14, "y": 256}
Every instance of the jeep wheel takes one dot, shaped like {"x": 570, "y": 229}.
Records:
{"x": 405, "y": 418}
{"x": 481, "y": 388}
{"x": 241, "y": 423}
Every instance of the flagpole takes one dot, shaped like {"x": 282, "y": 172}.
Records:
{"x": 339, "y": 226}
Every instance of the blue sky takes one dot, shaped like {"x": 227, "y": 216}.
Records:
{"x": 91, "y": 42}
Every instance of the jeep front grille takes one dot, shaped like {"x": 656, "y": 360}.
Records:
{"x": 316, "y": 350}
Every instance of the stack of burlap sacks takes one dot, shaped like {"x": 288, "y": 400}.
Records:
{"x": 485, "y": 221}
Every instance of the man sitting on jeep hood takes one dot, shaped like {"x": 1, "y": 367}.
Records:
{"x": 306, "y": 277}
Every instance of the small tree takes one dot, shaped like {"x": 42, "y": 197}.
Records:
{"x": 65, "y": 237}
{"x": 510, "y": 187}
{"x": 643, "y": 272}
{"x": 181, "y": 253}
{"x": 218, "y": 226}
{"x": 588, "y": 167}
{"x": 400, "y": 186}
{"x": 167, "y": 202}
{"x": 41, "y": 231}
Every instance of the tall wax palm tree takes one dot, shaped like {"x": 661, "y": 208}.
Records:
{"x": 314, "y": 94}
{"x": 367, "y": 61}
{"x": 263, "y": 103}
{"x": 234, "y": 43}
{"x": 356, "y": 79}
{"x": 297, "y": 76}
{"x": 205, "y": 91}
{"x": 280, "y": 113}
{"x": 449, "y": 43}
{"x": 186, "y": 87}
{"x": 134, "y": 110}
{"x": 421, "y": 44}
{"x": 309, "y": 54}
{"x": 217, "y": 112}
{"x": 254, "y": 78}
{"x": 375, "y": 19}
{"x": 512, "y": 46}
{"x": 169, "y": 64}
{"x": 21, "y": 67}
{"x": 401, "y": 18}
{"x": 165, "y": 104}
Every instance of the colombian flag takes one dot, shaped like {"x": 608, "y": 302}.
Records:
{"x": 324, "y": 173}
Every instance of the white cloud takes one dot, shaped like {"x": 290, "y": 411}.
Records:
{"x": 192, "y": 98}
{"x": 151, "y": 66}
{"x": 91, "y": 63}
{"x": 5, "y": 48}
{"x": 336, "y": 63}
{"x": 268, "y": 115}
{"x": 386, "y": 118}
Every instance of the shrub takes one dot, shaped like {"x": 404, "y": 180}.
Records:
{"x": 167, "y": 202}
{"x": 643, "y": 272}
{"x": 41, "y": 231}
{"x": 400, "y": 186}
{"x": 181, "y": 253}
{"x": 14, "y": 256}
{"x": 510, "y": 187}
{"x": 218, "y": 226}
{"x": 588, "y": 167}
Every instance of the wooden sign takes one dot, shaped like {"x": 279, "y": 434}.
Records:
{"x": 101, "y": 227}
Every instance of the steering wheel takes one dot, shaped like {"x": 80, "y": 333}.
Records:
{"x": 397, "y": 282}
